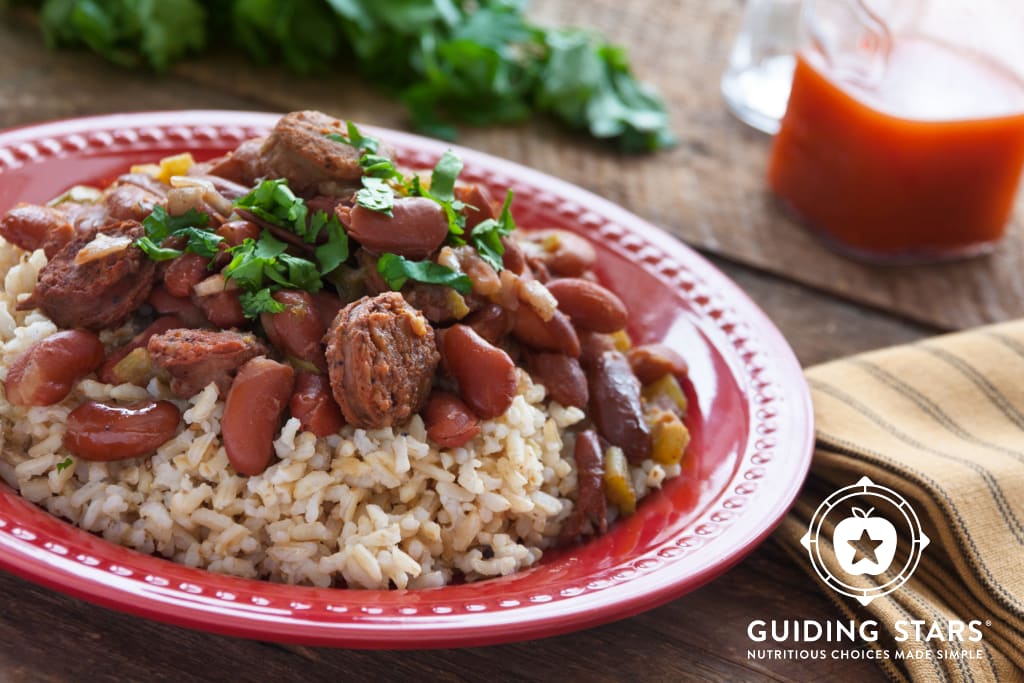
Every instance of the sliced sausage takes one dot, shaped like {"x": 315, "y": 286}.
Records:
{"x": 99, "y": 293}
{"x": 381, "y": 356}
{"x": 298, "y": 149}
{"x": 253, "y": 411}
{"x": 194, "y": 358}
{"x": 244, "y": 165}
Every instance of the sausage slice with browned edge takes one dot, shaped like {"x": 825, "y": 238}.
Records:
{"x": 76, "y": 289}
{"x": 194, "y": 358}
{"x": 381, "y": 356}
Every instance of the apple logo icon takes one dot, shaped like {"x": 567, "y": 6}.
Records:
{"x": 864, "y": 544}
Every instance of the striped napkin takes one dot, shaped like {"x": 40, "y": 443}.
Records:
{"x": 940, "y": 422}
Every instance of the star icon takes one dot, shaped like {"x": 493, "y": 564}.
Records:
{"x": 865, "y": 547}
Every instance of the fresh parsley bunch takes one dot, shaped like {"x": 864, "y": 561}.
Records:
{"x": 473, "y": 61}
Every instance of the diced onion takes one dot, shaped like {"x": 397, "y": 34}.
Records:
{"x": 102, "y": 245}
{"x": 537, "y": 296}
{"x": 214, "y": 284}
{"x": 82, "y": 194}
{"x": 215, "y": 199}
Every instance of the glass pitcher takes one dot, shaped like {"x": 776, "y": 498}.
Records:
{"x": 903, "y": 135}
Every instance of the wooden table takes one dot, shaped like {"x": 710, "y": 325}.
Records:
{"x": 707, "y": 191}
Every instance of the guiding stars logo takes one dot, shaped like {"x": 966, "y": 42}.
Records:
{"x": 864, "y": 540}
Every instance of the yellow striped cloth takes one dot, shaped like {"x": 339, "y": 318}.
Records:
{"x": 941, "y": 422}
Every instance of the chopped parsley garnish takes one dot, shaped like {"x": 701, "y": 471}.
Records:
{"x": 190, "y": 225}
{"x": 260, "y": 301}
{"x": 397, "y": 270}
{"x": 261, "y": 266}
{"x": 64, "y": 464}
{"x": 487, "y": 234}
{"x": 356, "y": 139}
{"x": 376, "y": 195}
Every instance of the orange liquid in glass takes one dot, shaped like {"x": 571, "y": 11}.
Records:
{"x": 924, "y": 164}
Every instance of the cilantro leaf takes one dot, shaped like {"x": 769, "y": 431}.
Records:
{"x": 202, "y": 242}
{"x": 376, "y": 195}
{"x": 156, "y": 252}
{"x": 380, "y": 167}
{"x": 260, "y": 301}
{"x": 356, "y": 139}
{"x": 64, "y": 464}
{"x": 397, "y": 270}
{"x": 334, "y": 251}
{"x": 442, "y": 181}
{"x": 487, "y": 234}
{"x": 159, "y": 225}
{"x": 274, "y": 202}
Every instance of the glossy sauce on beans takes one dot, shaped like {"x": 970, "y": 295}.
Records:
{"x": 97, "y": 431}
{"x": 417, "y": 227}
{"x": 313, "y": 405}
{"x": 45, "y": 372}
{"x": 297, "y": 330}
{"x": 450, "y": 423}
{"x": 252, "y": 413}
{"x": 485, "y": 374}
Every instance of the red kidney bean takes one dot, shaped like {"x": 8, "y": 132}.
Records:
{"x": 236, "y": 232}
{"x": 33, "y": 227}
{"x": 314, "y": 406}
{"x": 513, "y": 258}
{"x": 450, "y": 423}
{"x": 223, "y": 309}
{"x": 592, "y": 345}
{"x": 184, "y": 272}
{"x": 485, "y": 374}
{"x": 615, "y": 406}
{"x": 158, "y": 326}
{"x": 130, "y": 202}
{"x": 562, "y": 376}
{"x": 327, "y": 307}
{"x": 651, "y": 362}
{"x": 492, "y": 322}
{"x": 163, "y": 303}
{"x": 479, "y": 204}
{"x": 556, "y": 334}
{"x": 590, "y": 499}
{"x": 418, "y": 227}
{"x": 589, "y": 305}
{"x": 252, "y": 413}
{"x": 45, "y": 372}
{"x": 297, "y": 330}
{"x": 97, "y": 431}
{"x": 565, "y": 254}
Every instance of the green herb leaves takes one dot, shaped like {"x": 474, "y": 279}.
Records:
{"x": 479, "y": 62}
{"x": 64, "y": 464}
{"x": 376, "y": 195}
{"x": 159, "y": 226}
{"x": 487, "y": 234}
{"x": 397, "y": 270}
{"x": 261, "y": 266}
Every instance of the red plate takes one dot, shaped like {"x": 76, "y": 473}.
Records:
{"x": 751, "y": 422}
